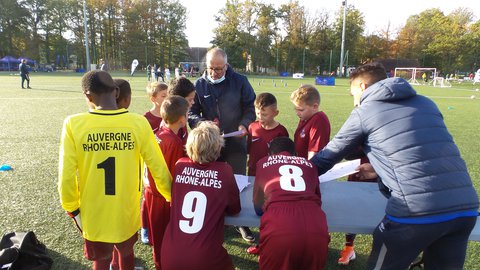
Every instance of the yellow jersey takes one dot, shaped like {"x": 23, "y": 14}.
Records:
{"x": 100, "y": 171}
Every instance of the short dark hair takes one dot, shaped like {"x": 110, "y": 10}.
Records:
{"x": 281, "y": 144}
{"x": 125, "y": 89}
{"x": 98, "y": 82}
{"x": 264, "y": 100}
{"x": 173, "y": 107}
{"x": 181, "y": 87}
{"x": 371, "y": 72}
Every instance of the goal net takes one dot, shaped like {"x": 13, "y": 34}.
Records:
{"x": 417, "y": 76}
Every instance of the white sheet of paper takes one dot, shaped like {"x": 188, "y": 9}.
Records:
{"x": 340, "y": 170}
{"x": 233, "y": 134}
{"x": 242, "y": 181}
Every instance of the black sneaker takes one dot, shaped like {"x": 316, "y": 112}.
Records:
{"x": 247, "y": 235}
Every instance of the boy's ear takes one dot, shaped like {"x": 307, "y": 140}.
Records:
{"x": 315, "y": 106}
{"x": 363, "y": 86}
{"x": 88, "y": 96}
{"x": 117, "y": 92}
{"x": 276, "y": 113}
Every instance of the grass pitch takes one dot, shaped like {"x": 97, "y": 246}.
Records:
{"x": 30, "y": 134}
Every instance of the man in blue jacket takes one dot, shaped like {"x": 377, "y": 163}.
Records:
{"x": 24, "y": 73}
{"x": 226, "y": 98}
{"x": 432, "y": 205}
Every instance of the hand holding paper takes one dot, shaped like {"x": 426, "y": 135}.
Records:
{"x": 340, "y": 170}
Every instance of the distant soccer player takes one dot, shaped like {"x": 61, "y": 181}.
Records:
{"x": 99, "y": 169}
{"x": 174, "y": 114}
{"x": 263, "y": 130}
{"x": 293, "y": 227}
{"x": 313, "y": 130}
{"x": 204, "y": 191}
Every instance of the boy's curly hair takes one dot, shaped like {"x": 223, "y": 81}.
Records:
{"x": 181, "y": 87}
{"x": 281, "y": 144}
{"x": 98, "y": 82}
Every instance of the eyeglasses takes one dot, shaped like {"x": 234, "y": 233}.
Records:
{"x": 217, "y": 70}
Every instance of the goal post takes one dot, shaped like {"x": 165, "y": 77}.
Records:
{"x": 442, "y": 82}
{"x": 416, "y": 76}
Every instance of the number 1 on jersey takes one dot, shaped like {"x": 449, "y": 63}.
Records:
{"x": 108, "y": 165}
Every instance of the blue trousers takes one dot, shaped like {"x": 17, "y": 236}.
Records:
{"x": 444, "y": 244}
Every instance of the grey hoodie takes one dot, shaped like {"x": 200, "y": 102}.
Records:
{"x": 410, "y": 148}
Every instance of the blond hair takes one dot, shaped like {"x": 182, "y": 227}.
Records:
{"x": 155, "y": 87}
{"x": 204, "y": 143}
{"x": 307, "y": 94}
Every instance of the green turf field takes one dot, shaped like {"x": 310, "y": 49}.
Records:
{"x": 31, "y": 122}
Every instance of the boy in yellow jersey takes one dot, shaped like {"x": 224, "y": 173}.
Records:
{"x": 99, "y": 172}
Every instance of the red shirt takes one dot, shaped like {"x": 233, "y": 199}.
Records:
{"x": 258, "y": 141}
{"x": 153, "y": 120}
{"x": 312, "y": 134}
{"x": 202, "y": 194}
{"x": 172, "y": 150}
{"x": 171, "y": 146}
{"x": 282, "y": 178}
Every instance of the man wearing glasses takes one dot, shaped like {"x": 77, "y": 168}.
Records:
{"x": 226, "y": 98}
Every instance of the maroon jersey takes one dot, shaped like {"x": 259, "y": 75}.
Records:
{"x": 202, "y": 194}
{"x": 153, "y": 120}
{"x": 293, "y": 228}
{"x": 171, "y": 145}
{"x": 258, "y": 141}
{"x": 312, "y": 134}
{"x": 283, "y": 178}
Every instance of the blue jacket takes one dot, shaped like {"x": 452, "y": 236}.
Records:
{"x": 23, "y": 69}
{"x": 410, "y": 148}
{"x": 231, "y": 101}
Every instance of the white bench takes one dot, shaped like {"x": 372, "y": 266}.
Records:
{"x": 351, "y": 207}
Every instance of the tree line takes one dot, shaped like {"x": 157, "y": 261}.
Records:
{"x": 289, "y": 38}
{"x": 151, "y": 31}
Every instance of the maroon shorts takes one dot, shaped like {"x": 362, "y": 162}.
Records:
{"x": 99, "y": 251}
{"x": 293, "y": 235}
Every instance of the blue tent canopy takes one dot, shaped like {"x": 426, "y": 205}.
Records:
{"x": 9, "y": 63}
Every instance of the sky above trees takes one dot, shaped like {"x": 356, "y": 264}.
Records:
{"x": 377, "y": 13}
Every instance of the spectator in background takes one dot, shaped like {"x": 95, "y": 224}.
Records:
{"x": 24, "y": 73}
{"x": 103, "y": 65}
{"x": 149, "y": 72}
